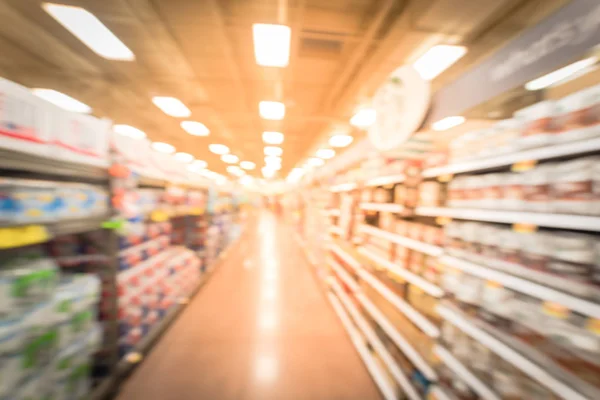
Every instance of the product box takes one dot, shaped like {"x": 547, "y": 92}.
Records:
{"x": 81, "y": 138}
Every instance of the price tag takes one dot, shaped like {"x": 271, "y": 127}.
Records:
{"x": 445, "y": 178}
{"x": 432, "y": 396}
{"x": 522, "y": 166}
{"x": 23, "y": 236}
{"x": 593, "y": 325}
{"x": 197, "y": 211}
{"x": 556, "y": 310}
{"x": 525, "y": 228}
{"x": 159, "y": 216}
{"x": 443, "y": 220}
{"x": 493, "y": 284}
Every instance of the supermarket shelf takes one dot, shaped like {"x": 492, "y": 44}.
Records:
{"x": 478, "y": 386}
{"x": 412, "y": 244}
{"x": 376, "y": 344}
{"x": 71, "y": 227}
{"x": 344, "y": 275}
{"x": 343, "y": 187}
{"x": 412, "y": 314}
{"x": 544, "y": 153}
{"x": 385, "y": 180}
{"x": 564, "y": 221}
{"x": 385, "y": 207}
{"x": 407, "y": 275}
{"x": 18, "y": 161}
{"x": 525, "y": 286}
{"x": 348, "y": 259}
{"x": 512, "y": 356}
{"x": 378, "y": 376}
{"x": 410, "y": 352}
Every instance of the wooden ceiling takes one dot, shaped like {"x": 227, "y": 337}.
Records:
{"x": 201, "y": 52}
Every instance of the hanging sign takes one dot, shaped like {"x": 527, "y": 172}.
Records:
{"x": 401, "y": 104}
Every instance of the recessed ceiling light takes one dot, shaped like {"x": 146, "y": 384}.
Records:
{"x": 229, "y": 158}
{"x": 235, "y": 170}
{"x": 218, "y": 148}
{"x": 272, "y": 160}
{"x": 163, "y": 147}
{"x": 247, "y": 165}
{"x": 184, "y": 157}
{"x": 171, "y": 106}
{"x": 364, "y": 118}
{"x": 272, "y": 110}
{"x": 270, "y": 137}
{"x": 315, "y": 162}
{"x": 93, "y": 33}
{"x": 199, "y": 164}
{"x": 325, "y": 153}
{"x": 273, "y": 151}
{"x": 129, "y": 131}
{"x": 438, "y": 59}
{"x": 195, "y": 128}
{"x": 340, "y": 140}
{"x": 62, "y": 100}
{"x": 447, "y": 123}
{"x": 271, "y": 44}
{"x": 560, "y": 74}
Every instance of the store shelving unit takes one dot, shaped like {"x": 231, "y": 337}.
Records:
{"x": 416, "y": 245}
{"x": 383, "y": 207}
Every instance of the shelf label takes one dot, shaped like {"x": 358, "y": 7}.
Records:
{"x": 556, "y": 310}
{"x": 522, "y": 166}
{"x": 445, "y": 178}
{"x": 196, "y": 211}
{"x": 493, "y": 284}
{"x": 23, "y": 236}
{"x": 593, "y": 325}
{"x": 525, "y": 228}
{"x": 443, "y": 220}
{"x": 159, "y": 216}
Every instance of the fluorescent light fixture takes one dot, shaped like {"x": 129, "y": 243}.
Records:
{"x": 315, "y": 162}
{"x": 235, "y": 170}
{"x": 271, "y": 44}
{"x": 560, "y": 74}
{"x": 229, "y": 158}
{"x": 273, "y": 151}
{"x": 62, "y": 100}
{"x": 438, "y": 59}
{"x": 272, "y": 137}
{"x": 94, "y": 34}
{"x": 129, "y": 131}
{"x": 272, "y": 160}
{"x": 273, "y": 166}
{"x": 184, "y": 157}
{"x": 364, "y": 118}
{"x": 171, "y": 106}
{"x": 195, "y": 128}
{"x": 163, "y": 147}
{"x": 273, "y": 110}
{"x": 268, "y": 172}
{"x": 218, "y": 148}
{"x": 325, "y": 154}
{"x": 199, "y": 164}
{"x": 246, "y": 180}
{"x": 447, "y": 123}
{"x": 249, "y": 165}
{"x": 340, "y": 140}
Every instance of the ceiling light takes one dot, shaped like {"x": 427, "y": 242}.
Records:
{"x": 247, "y": 165}
{"x": 235, "y": 170}
{"x": 272, "y": 160}
{"x": 129, "y": 131}
{"x": 271, "y": 44}
{"x": 273, "y": 151}
{"x": 364, "y": 118}
{"x": 340, "y": 140}
{"x": 438, "y": 59}
{"x": 447, "y": 123}
{"x": 199, "y": 164}
{"x": 62, "y": 100}
{"x": 268, "y": 172}
{"x": 184, "y": 157}
{"x": 315, "y": 162}
{"x": 171, "y": 106}
{"x": 93, "y": 33}
{"x": 229, "y": 158}
{"x": 218, "y": 148}
{"x": 195, "y": 128}
{"x": 272, "y": 137}
{"x": 273, "y": 166}
{"x": 246, "y": 180}
{"x": 325, "y": 154}
{"x": 273, "y": 110}
{"x": 163, "y": 147}
{"x": 560, "y": 74}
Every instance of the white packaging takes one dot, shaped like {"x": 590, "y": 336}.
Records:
{"x": 579, "y": 115}
{"x": 538, "y": 124}
{"x": 513, "y": 197}
{"x": 576, "y": 186}
{"x": 537, "y": 188}
{"x": 491, "y": 191}
{"x": 506, "y": 136}
{"x": 82, "y": 138}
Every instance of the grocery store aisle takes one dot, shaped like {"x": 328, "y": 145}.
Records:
{"x": 259, "y": 329}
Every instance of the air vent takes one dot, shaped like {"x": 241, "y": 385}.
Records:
{"x": 320, "y": 47}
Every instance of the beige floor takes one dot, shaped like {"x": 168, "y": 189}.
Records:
{"x": 259, "y": 329}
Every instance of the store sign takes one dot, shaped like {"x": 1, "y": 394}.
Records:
{"x": 555, "y": 42}
{"x": 401, "y": 104}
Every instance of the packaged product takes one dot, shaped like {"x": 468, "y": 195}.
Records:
{"x": 576, "y": 186}
{"x": 579, "y": 115}
{"x": 481, "y": 361}
{"x": 513, "y": 194}
{"x": 537, "y": 189}
{"x": 506, "y": 380}
{"x": 381, "y": 195}
{"x": 386, "y": 221}
{"x": 453, "y": 238}
{"x": 416, "y": 262}
{"x": 27, "y": 201}
{"x": 491, "y": 191}
{"x": 506, "y": 136}
{"x": 433, "y": 270}
{"x": 536, "y": 250}
{"x": 82, "y": 138}
{"x": 573, "y": 255}
{"x": 430, "y": 194}
{"x": 510, "y": 246}
{"x": 490, "y": 241}
{"x": 468, "y": 290}
{"x": 539, "y": 126}
{"x": 423, "y": 302}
